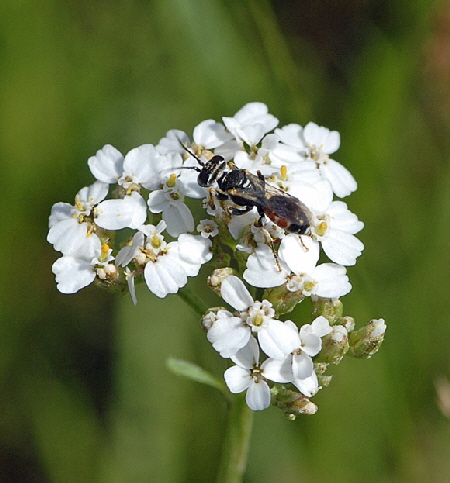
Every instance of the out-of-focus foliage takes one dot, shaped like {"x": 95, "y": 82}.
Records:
{"x": 85, "y": 394}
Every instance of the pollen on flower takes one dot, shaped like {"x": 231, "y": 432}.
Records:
{"x": 321, "y": 228}
{"x": 171, "y": 181}
{"x": 156, "y": 241}
{"x": 283, "y": 172}
{"x": 105, "y": 250}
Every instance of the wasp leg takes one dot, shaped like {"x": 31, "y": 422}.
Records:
{"x": 268, "y": 237}
{"x": 240, "y": 211}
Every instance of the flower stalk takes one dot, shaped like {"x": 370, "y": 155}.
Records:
{"x": 236, "y": 442}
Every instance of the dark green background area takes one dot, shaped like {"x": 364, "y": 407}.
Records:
{"x": 84, "y": 391}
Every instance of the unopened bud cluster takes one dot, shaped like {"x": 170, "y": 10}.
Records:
{"x": 266, "y": 195}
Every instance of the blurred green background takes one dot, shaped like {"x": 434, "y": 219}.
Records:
{"x": 85, "y": 394}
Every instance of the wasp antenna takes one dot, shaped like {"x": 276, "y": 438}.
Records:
{"x": 200, "y": 162}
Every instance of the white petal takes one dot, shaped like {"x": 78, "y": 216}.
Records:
{"x": 320, "y": 326}
{"x": 277, "y": 339}
{"x": 292, "y": 135}
{"x": 258, "y": 395}
{"x": 227, "y": 335}
{"x": 256, "y": 113}
{"x": 342, "y": 248}
{"x": 194, "y": 249}
{"x": 234, "y": 292}
{"x": 60, "y": 212}
{"x": 321, "y": 137}
{"x": 72, "y": 274}
{"x": 158, "y": 201}
{"x": 164, "y": 276}
{"x": 341, "y": 218}
{"x": 210, "y": 134}
{"x": 262, "y": 270}
{"x": 278, "y": 370}
{"x": 128, "y": 212}
{"x": 67, "y": 236}
{"x": 247, "y": 356}
{"x": 302, "y": 366}
{"x": 300, "y": 253}
{"x": 127, "y": 253}
{"x": 93, "y": 194}
{"x": 311, "y": 343}
{"x": 308, "y": 386}
{"x": 237, "y": 379}
{"x": 341, "y": 179}
{"x": 332, "y": 281}
{"x": 179, "y": 218}
{"x": 138, "y": 163}
{"x": 107, "y": 164}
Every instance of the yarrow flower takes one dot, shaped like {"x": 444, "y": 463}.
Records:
{"x": 252, "y": 199}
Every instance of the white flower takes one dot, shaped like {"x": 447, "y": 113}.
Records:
{"x": 305, "y": 183}
{"x": 71, "y": 226}
{"x": 301, "y": 253}
{"x": 256, "y": 317}
{"x": 316, "y": 143}
{"x": 250, "y": 123}
{"x": 166, "y": 270}
{"x": 131, "y": 172}
{"x": 171, "y": 184}
{"x": 170, "y": 201}
{"x": 77, "y": 270}
{"x": 133, "y": 249}
{"x": 335, "y": 228}
{"x": 248, "y": 375}
{"x": 208, "y": 228}
{"x": 298, "y": 366}
{"x": 258, "y": 158}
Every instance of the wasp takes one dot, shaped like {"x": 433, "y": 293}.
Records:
{"x": 248, "y": 191}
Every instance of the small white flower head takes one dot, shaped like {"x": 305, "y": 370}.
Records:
{"x": 316, "y": 143}
{"x": 335, "y": 229}
{"x": 171, "y": 185}
{"x": 71, "y": 226}
{"x": 301, "y": 255}
{"x": 131, "y": 172}
{"x": 251, "y": 123}
{"x": 77, "y": 270}
{"x": 166, "y": 270}
{"x": 273, "y": 336}
{"x": 300, "y": 362}
{"x": 208, "y": 228}
{"x": 248, "y": 375}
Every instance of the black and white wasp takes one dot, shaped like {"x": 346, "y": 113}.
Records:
{"x": 249, "y": 191}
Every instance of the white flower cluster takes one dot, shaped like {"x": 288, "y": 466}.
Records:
{"x": 246, "y": 225}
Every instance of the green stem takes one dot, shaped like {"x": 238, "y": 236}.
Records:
{"x": 237, "y": 441}
{"x": 196, "y": 304}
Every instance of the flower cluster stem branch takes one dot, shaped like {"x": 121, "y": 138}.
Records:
{"x": 237, "y": 441}
{"x": 194, "y": 302}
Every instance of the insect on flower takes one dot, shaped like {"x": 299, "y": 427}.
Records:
{"x": 249, "y": 191}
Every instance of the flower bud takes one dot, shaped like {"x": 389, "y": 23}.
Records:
{"x": 282, "y": 299}
{"x": 329, "y": 308}
{"x": 217, "y": 277}
{"x": 334, "y": 346}
{"x": 293, "y": 404}
{"x": 366, "y": 341}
